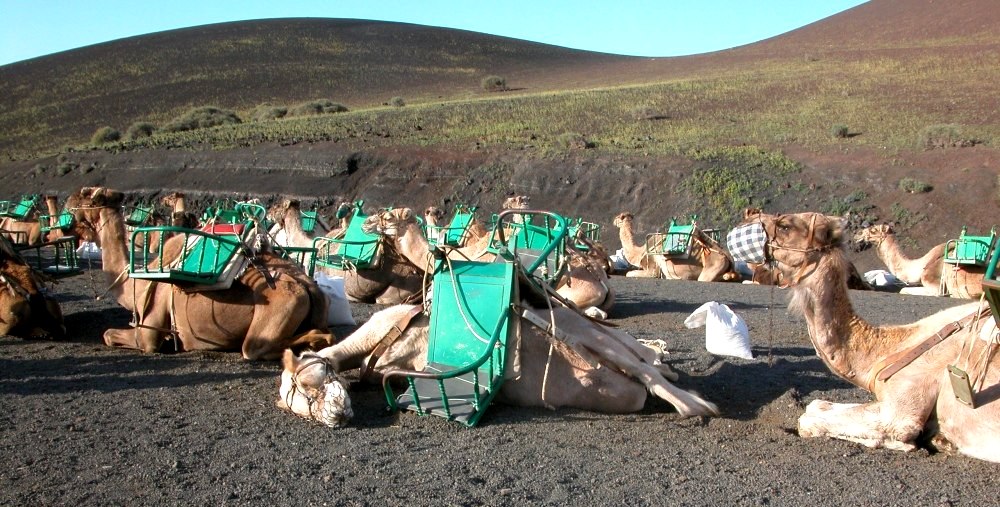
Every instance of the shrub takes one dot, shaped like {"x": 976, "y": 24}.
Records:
{"x": 397, "y": 101}
{"x": 267, "y": 112}
{"x": 914, "y": 186}
{"x": 494, "y": 83}
{"x": 64, "y": 168}
{"x": 573, "y": 141}
{"x": 943, "y": 136}
{"x": 105, "y": 135}
{"x": 840, "y": 131}
{"x": 139, "y": 130}
{"x": 314, "y": 107}
{"x": 646, "y": 113}
{"x": 202, "y": 117}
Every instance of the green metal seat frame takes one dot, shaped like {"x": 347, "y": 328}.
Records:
{"x": 354, "y": 249}
{"x": 538, "y": 241}
{"x": 63, "y": 222}
{"x": 63, "y": 260}
{"x": 20, "y": 210}
{"x": 676, "y": 242}
{"x": 587, "y": 230}
{"x": 453, "y": 233}
{"x": 308, "y": 219}
{"x": 139, "y": 215}
{"x": 470, "y": 321}
{"x": 202, "y": 261}
{"x": 991, "y": 284}
{"x": 467, "y": 344}
{"x": 969, "y": 250}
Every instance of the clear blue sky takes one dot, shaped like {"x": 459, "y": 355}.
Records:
{"x": 33, "y": 28}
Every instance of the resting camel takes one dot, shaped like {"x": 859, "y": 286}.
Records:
{"x": 179, "y": 216}
{"x": 25, "y": 309}
{"x": 584, "y": 284}
{"x": 264, "y": 312}
{"x": 393, "y": 279}
{"x": 551, "y": 373}
{"x": 903, "y": 366}
{"x": 707, "y": 262}
{"x": 25, "y": 232}
{"x": 926, "y": 271}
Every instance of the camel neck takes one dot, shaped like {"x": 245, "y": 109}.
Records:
{"x": 890, "y": 253}
{"x": 114, "y": 255}
{"x": 627, "y": 236}
{"x": 848, "y": 344}
{"x": 414, "y": 247}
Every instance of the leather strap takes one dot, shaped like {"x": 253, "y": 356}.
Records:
{"x": 390, "y": 338}
{"x": 889, "y": 366}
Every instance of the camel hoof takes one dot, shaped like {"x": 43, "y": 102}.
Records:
{"x": 817, "y": 406}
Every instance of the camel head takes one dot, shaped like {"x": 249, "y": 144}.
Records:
{"x": 434, "y": 215}
{"x": 516, "y": 202}
{"x": 279, "y": 211}
{"x": 795, "y": 242}
{"x": 622, "y": 218}
{"x": 86, "y": 206}
{"x": 751, "y": 214}
{"x": 390, "y": 223}
{"x": 872, "y": 236}
{"x": 311, "y": 388}
{"x": 171, "y": 199}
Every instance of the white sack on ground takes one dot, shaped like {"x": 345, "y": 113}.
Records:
{"x": 725, "y": 332}
{"x": 338, "y": 309}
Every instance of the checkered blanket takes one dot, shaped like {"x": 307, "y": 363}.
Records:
{"x": 746, "y": 243}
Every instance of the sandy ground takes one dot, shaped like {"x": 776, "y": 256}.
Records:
{"x": 83, "y": 424}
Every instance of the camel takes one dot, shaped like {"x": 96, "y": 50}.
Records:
{"x": 25, "y": 231}
{"x": 585, "y": 283}
{"x": 393, "y": 279}
{"x": 926, "y": 271}
{"x": 264, "y": 312}
{"x": 707, "y": 262}
{"x": 903, "y": 366}
{"x": 25, "y": 309}
{"x": 179, "y": 216}
{"x": 606, "y": 370}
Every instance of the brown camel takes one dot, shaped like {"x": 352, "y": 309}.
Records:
{"x": 25, "y": 231}
{"x": 393, "y": 279}
{"x": 903, "y": 366}
{"x": 606, "y": 370}
{"x": 263, "y": 313}
{"x": 585, "y": 283}
{"x": 707, "y": 261}
{"x": 926, "y": 271}
{"x": 179, "y": 216}
{"x": 25, "y": 309}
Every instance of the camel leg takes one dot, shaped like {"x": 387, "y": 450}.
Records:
{"x": 868, "y": 424}
{"x": 146, "y": 339}
{"x": 273, "y": 325}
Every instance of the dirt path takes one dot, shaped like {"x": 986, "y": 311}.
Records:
{"x": 81, "y": 424}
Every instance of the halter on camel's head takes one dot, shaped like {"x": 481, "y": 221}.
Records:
{"x": 872, "y": 236}
{"x": 311, "y": 388}
{"x": 775, "y": 239}
{"x": 389, "y": 222}
{"x": 434, "y": 214}
{"x": 86, "y": 206}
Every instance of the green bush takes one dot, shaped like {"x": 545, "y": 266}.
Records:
{"x": 840, "y": 131}
{"x": 202, "y": 117}
{"x": 397, "y": 102}
{"x": 315, "y": 107}
{"x": 494, "y": 83}
{"x": 105, "y": 135}
{"x": 139, "y": 130}
{"x": 267, "y": 112}
{"x": 914, "y": 186}
{"x": 573, "y": 141}
{"x": 943, "y": 136}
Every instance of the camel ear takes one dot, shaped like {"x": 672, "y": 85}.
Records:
{"x": 832, "y": 231}
{"x": 288, "y": 360}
